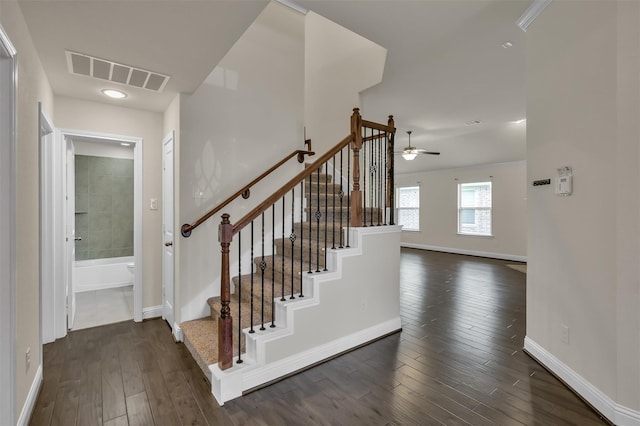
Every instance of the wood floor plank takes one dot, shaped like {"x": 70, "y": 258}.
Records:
{"x": 138, "y": 410}
{"x": 159, "y": 399}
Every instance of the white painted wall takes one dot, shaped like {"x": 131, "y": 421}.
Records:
{"x": 439, "y": 205}
{"x": 245, "y": 117}
{"x": 33, "y": 87}
{"x": 77, "y": 114}
{"x": 339, "y": 64}
{"x": 583, "y": 250}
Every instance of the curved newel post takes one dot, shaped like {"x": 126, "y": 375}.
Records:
{"x": 225, "y": 322}
{"x": 356, "y": 145}
{"x": 390, "y": 171}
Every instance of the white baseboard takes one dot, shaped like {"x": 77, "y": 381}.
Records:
{"x": 177, "y": 332}
{"x": 488, "y": 254}
{"x": 152, "y": 312}
{"x": 32, "y": 396}
{"x": 614, "y": 412}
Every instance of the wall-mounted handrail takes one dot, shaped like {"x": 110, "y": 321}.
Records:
{"x": 289, "y": 185}
{"x": 245, "y": 190}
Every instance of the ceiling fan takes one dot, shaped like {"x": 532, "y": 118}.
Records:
{"x": 410, "y": 152}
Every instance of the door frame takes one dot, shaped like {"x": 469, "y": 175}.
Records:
{"x": 169, "y": 181}
{"x": 8, "y": 87}
{"x": 49, "y": 227}
{"x": 137, "y": 208}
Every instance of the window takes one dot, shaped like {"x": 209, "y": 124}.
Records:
{"x": 474, "y": 208}
{"x": 409, "y": 208}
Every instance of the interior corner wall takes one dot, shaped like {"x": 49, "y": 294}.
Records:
{"x": 439, "y": 207}
{"x": 339, "y": 65}
{"x": 245, "y": 117}
{"x": 76, "y": 114}
{"x": 583, "y": 249}
{"x": 33, "y": 87}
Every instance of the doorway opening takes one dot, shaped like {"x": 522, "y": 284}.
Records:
{"x": 103, "y": 214}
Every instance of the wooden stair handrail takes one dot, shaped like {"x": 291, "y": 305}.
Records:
{"x": 257, "y": 211}
{"x": 227, "y": 230}
{"x": 186, "y": 229}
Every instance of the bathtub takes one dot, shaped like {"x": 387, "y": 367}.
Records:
{"x": 98, "y": 274}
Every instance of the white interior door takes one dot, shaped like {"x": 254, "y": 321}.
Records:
{"x": 70, "y": 238}
{"x": 168, "y": 259}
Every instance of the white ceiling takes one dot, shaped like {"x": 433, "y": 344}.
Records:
{"x": 445, "y": 66}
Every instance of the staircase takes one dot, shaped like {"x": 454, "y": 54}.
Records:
{"x": 296, "y": 259}
{"x": 285, "y": 269}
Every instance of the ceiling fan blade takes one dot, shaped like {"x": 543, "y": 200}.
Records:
{"x": 422, "y": 151}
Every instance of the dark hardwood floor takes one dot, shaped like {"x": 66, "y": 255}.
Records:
{"x": 458, "y": 360}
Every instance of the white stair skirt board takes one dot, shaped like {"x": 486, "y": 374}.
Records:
{"x": 32, "y": 397}
{"x": 355, "y": 302}
{"x": 614, "y": 412}
{"x": 488, "y": 254}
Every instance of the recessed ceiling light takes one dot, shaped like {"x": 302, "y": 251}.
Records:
{"x": 507, "y": 44}
{"x": 522, "y": 120}
{"x": 125, "y": 144}
{"x": 115, "y": 94}
{"x": 472, "y": 123}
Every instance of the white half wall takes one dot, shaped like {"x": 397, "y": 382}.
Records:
{"x": 439, "y": 209}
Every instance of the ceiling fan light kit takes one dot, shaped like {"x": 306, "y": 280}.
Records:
{"x": 410, "y": 153}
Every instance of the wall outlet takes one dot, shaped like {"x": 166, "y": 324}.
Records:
{"x": 153, "y": 204}
{"x": 27, "y": 359}
{"x": 564, "y": 336}
{"x": 363, "y": 305}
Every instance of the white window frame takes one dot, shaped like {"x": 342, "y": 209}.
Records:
{"x": 398, "y": 208}
{"x": 461, "y": 209}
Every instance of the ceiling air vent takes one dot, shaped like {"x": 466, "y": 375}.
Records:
{"x": 81, "y": 64}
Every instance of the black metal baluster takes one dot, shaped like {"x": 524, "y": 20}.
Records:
{"x": 292, "y": 237}
{"x": 378, "y": 176}
{"x": 326, "y": 211}
{"x": 318, "y": 217}
{"x": 239, "y": 361}
{"x": 348, "y": 194}
{"x": 333, "y": 202}
{"x": 273, "y": 265}
{"x": 263, "y": 265}
{"x": 341, "y": 195}
{"x": 310, "y": 198}
{"x": 301, "y": 245}
{"x": 385, "y": 178}
{"x": 391, "y": 181}
{"x": 364, "y": 171}
{"x": 252, "y": 269}
{"x": 283, "y": 210}
{"x": 372, "y": 182}
{"x": 302, "y": 197}
{"x": 379, "y": 171}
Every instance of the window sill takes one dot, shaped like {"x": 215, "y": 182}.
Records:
{"x": 474, "y": 235}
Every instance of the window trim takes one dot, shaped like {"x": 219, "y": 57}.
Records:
{"x": 460, "y": 209}
{"x": 398, "y": 208}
